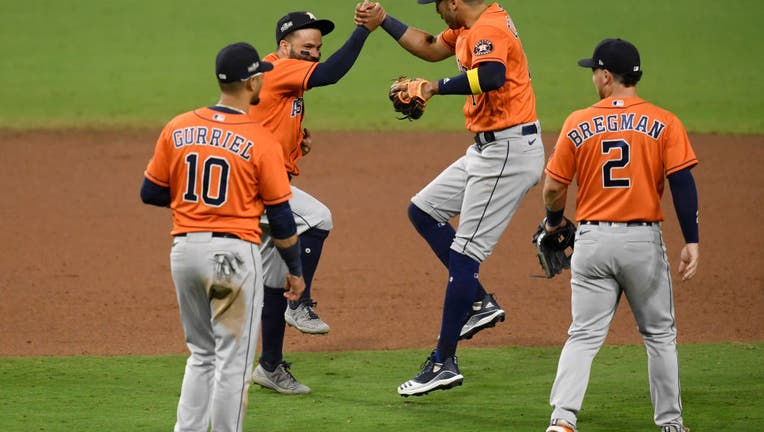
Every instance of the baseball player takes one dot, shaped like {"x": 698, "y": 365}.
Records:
{"x": 281, "y": 110}
{"x": 620, "y": 150}
{"x": 218, "y": 170}
{"x": 485, "y": 186}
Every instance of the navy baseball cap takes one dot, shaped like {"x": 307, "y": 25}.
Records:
{"x": 239, "y": 62}
{"x": 616, "y": 55}
{"x": 301, "y": 20}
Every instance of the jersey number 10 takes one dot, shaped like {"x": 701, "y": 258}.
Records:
{"x": 213, "y": 166}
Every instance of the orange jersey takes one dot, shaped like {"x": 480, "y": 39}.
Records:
{"x": 621, "y": 150}
{"x": 282, "y": 107}
{"x": 494, "y": 38}
{"x": 221, "y": 169}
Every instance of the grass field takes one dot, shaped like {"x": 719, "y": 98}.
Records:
{"x": 136, "y": 63}
{"x": 139, "y": 62}
{"x": 504, "y": 389}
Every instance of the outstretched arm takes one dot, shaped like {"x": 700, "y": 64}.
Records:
{"x": 339, "y": 63}
{"x": 417, "y": 42}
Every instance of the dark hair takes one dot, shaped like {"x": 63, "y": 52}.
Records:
{"x": 232, "y": 87}
{"x": 628, "y": 79}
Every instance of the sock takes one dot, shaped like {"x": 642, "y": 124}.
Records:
{"x": 439, "y": 236}
{"x": 273, "y": 324}
{"x": 460, "y": 291}
{"x": 311, "y": 242}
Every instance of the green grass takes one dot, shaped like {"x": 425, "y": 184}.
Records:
{"x": 505, "y": 389}
{"x": 88, "y": 63}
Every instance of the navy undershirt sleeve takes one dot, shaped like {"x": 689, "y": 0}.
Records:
{"x": 154, "y": 194}
{"x": 491, "y": 76}
{"x": 339, "y": 63}
{"x": 281, "y": 220}
{"x": 685, "y": 197}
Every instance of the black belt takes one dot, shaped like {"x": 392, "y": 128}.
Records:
{"x": 490, "y": 136}
{"x": 215, "y": 234}
{"x": 628, "y": 223}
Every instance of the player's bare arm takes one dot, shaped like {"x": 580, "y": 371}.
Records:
{"x": 295, "y": 284}
{"x": 418, "y": 42}
{"x": 555, "y": 194}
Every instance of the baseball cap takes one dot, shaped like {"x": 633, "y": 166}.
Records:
{"x": 616, "y": 55}
{"x": 300, "y": 20}
{"x": 239, "y": 62}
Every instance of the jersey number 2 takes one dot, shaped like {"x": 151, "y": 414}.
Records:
{"x": 608, "y": 181}
{"x": 213, "y": 166}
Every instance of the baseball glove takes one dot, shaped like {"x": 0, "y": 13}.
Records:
{"x": 551, "y": 247}
{"x": 407, "y": 98}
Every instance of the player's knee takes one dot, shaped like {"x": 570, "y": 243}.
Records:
{"x": 470, "y": 249}
{"x": 324, "y": 216}
{"x": 419, "y": 218}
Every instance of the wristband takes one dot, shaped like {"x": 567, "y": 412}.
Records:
{"x": 393, "y": 27}
{"x": 291, "y": 256}
{"x": 554, "y": 218}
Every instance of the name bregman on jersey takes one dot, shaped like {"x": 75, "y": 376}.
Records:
{"x": 615, "y": 123}
{"x": 201, "y": 135}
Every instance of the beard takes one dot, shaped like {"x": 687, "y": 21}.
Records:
{"x": 255, "y": 100}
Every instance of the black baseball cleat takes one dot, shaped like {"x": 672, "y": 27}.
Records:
{"x": 484, "y": 314}
{"x": 434, "y": 376}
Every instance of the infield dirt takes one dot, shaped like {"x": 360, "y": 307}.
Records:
{"x": 85, "y": 265}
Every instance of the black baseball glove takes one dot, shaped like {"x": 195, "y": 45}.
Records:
{"x": 551, "y": 247}
{"x": 407, "y": 98}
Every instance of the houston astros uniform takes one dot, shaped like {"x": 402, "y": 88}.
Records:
{"x": 620, "y": 150}
{"x": 219, "y": 170}
{"x": 486, "y": 185}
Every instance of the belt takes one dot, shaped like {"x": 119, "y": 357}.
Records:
{"x": 627, "y": 223}
{"x": 490, "y": 136}
{"x": 215, "y": 234}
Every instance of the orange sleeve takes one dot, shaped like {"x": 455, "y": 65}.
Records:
{"x": 293, "y": 73}
{"x": 677, "y": 151}
{"x": 158, "y": 169}
{"x": 448, "y": 37}
{"x": 562, "y": 162}
{"x": 488, "y": 43}
{"x": 274, "y": 183}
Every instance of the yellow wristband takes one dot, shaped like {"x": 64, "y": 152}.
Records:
{"x": 472, "y": 77}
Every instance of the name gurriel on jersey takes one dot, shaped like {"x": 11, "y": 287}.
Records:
{"x": 614, "y": 123}
{"x": 201, "y": 135}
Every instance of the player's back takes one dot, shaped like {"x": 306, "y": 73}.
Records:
{"x": 623, "y": 148}
{"x": 213, "y": 163}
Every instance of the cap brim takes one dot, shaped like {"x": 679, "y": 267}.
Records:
{"x": 265, "y": 66}
{"x": 323, "y": 25}
{"x": 426, "y": 1}
{"x": 587, "y": 63}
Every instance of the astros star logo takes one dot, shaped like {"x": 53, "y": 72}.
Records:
{"x": 482, "y": 47}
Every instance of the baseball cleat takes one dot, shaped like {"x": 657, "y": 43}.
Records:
{"x": 281, "y": 379}
{"x": 674, "y": 428}
{"x": 560, "y": 425}
{"x": 434, "y": 376}
{"x": 305, "y": 319}
{"x": 484, "y": 314}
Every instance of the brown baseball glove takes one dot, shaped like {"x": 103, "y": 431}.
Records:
{"x": 551, "y": 247}
{"x": 407, "y": 98}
